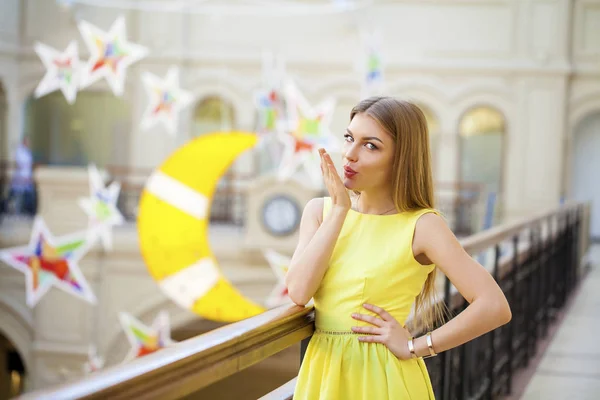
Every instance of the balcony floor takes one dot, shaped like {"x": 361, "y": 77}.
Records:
{"x": 570, "y": 366}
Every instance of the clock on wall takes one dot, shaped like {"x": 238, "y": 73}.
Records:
{"x": 280, "y": 215}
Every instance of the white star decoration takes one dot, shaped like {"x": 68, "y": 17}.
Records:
{"x": 167, "y": 99}
{"x": 110, "y": 55}
{"x": 101, "y": 208}
{"x": 308, "y": 130}
{"x": 49, "y": 261}
{"x": 62, "y": 71}
{"x": 280, "y": 264}
{"x": 94, "y": 362}
{"x": 144, "y": 339}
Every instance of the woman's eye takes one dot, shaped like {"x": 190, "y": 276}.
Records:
{"x": 371, "y": 146}
{"x": 348, "y": 138}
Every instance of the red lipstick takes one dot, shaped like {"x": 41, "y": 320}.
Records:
{"x": 349, "y": 172}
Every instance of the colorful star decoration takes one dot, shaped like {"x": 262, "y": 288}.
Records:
{"x": 372, "y": 68}
{"x": 94, "y": 363}
{"x": 374, "y": 72}
{"x": 49, "y": 261}
{"x": 269, "y": 99}
{"x": 101, "y": 208}
{"x": 167, "y": 99}
{"x": 280, "y": 264}
{"x": 62, "y": 71}
{"x": 269, "y": 104}
{"x": 308, "y": 130}
{"x": 110, "y": 55}
{"x": 145, "y": 340}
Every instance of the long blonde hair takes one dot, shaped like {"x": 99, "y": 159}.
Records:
{"x": 412, "y": 182}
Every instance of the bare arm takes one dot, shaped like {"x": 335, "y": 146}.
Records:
{"x": 317, "y": 239}
{"x": 315, "y": 246}
{"x": 488, "y": 308}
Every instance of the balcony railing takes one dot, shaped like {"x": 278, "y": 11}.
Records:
{"x": 536, "y": 262}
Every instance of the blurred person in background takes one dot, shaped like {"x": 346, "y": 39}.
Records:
{"x": 22, "y": 192}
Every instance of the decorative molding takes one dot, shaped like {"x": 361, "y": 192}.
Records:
{"x": 51, "y": 347}
{"x": 580, "y": 109}
{"x": 582, "y": 9}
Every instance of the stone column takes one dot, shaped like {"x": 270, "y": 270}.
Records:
{"x": 59, "y": 189}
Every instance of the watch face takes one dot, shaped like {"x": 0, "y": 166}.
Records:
{"x": 281, "y": 215}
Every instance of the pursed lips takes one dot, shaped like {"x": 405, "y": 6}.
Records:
{"x": 349, "y": 172}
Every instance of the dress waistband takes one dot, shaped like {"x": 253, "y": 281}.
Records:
{"x": 329, "y": 332}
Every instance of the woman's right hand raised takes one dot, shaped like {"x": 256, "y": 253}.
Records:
{"x": 337, "y": 191}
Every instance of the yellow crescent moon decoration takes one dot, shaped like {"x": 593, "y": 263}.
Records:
{"x": 173, "y": 221}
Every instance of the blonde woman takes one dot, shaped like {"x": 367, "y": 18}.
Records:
{"x": 369, "y": 252}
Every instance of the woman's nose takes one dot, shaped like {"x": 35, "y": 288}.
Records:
{"x": 351, "y": 153}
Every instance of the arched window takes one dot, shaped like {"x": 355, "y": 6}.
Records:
{"x": 13, "y": 370}
{"x": 213, "y": 114}
{"x": 482, "y": 131}
{"x": 95, "y": 129}
{"x": 585, "y": 165}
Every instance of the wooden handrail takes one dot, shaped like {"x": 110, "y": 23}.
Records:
{"x": 196, "y": 363}
{"x": 490, "y": 237}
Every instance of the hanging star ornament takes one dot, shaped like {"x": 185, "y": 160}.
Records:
{"x": 62, "y": 71}
{"x": 280, "y": 264}
{"x": 372, "y": 64}
{"x": 145, "y": 340}
{"x": 101, "y": 208}
{"x": 49, "y": 261}
{"x": 110, "y": 55}
{"x": 269, "y": 104}
{"x": 269, "y": 99}
{"x": 167, "y": 99}
{"x": 308, "y": 130}
{"x": 94, "y": 362}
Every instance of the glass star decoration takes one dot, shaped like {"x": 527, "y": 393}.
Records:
{"x": 167, "y": 99}
{"x": 279, "y": 264}
{"x": 62, "y": 71}
{"x": 101, "y": 208}
{"x": 145, "y": 339}
{"x": 110, "y": 55}
{"x": 307, "y": 131}
{"x": 49, "y": 261}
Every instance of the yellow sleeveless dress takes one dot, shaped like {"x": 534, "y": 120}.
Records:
{"x": 372, "y": 262}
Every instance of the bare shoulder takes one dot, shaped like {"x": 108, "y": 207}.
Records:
{"x": 430, "y": 229}
{"x": 314, "y": 209}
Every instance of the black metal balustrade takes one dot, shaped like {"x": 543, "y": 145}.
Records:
{"x": 537, "y": 283}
